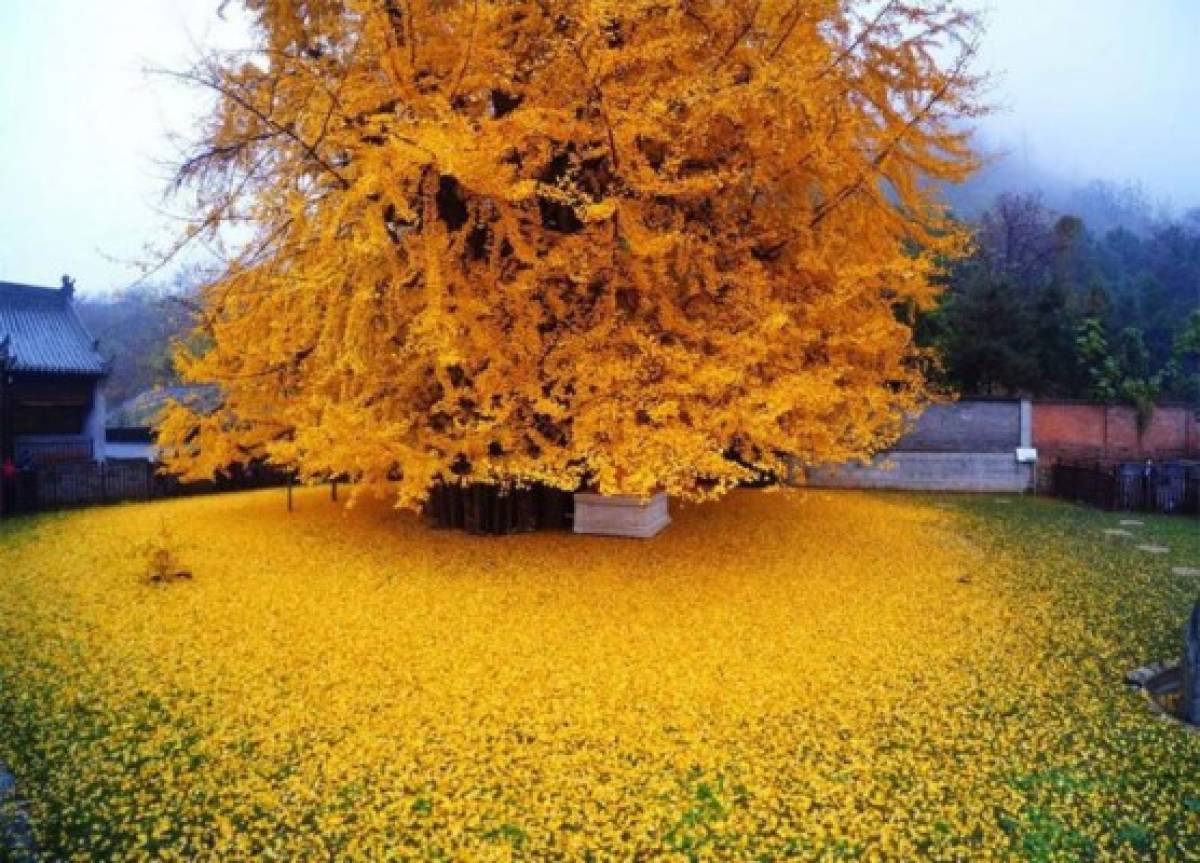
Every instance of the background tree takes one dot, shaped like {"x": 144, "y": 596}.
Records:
{"x": 1009, "y": 319}
{"x": 1042, "y": 306}
{"x": 1103, "y": 368}
{"x": 136, "y": 329}
{"x": 576, "y": 242}
{"x": 1183, "y": 370}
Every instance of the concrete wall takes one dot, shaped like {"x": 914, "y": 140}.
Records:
{"x": 966, "y": 426}
{"x": 94, "y": 428}
{"x": 969, "y": 445}
{"x": 930, "y": 471}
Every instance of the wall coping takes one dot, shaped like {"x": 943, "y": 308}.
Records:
{"x": 1126, "y": 405}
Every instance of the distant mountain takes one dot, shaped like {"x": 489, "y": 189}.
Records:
{"x": 1103, "y": 205}
{"x": 136, "y": 330}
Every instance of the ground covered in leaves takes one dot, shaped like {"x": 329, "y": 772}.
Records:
{"x": 795, "y": 675}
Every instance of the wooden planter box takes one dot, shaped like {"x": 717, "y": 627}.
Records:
{"x": 621, "y": 515}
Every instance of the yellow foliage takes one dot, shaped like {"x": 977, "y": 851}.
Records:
{"x": 780, "y": 676}
{"x": 687, "y": 226}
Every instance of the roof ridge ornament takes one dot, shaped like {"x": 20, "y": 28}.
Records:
{"x": 68, "y": 287}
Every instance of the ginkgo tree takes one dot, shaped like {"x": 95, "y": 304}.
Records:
{"x": 622, "y": 244}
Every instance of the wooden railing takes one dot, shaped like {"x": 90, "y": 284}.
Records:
{"x": 54, "y": 452}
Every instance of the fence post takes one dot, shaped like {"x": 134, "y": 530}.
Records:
{"x": 290, "y": 479}
{"x": 1190, "y": 694}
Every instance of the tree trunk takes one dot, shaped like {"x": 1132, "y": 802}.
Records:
{"x": 1190, "y": 693}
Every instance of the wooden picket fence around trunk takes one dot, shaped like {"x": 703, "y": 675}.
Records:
{"x": 480, "y": 508}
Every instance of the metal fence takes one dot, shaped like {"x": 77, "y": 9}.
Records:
{"x": 1167, "y": 487}
{"x": 88, "y": 483}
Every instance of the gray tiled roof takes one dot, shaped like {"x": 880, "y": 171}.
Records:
{"x": 45, "y": 333}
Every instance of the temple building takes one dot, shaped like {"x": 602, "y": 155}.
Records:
{"x": 51, "y": 405}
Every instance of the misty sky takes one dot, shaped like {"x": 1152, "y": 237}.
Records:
{"x": 1087, "y": 89}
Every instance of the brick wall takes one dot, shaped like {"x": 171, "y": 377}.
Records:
{"x": 1110, "y": 432}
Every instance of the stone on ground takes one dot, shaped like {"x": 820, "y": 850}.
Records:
{"x": 16, "y": 833}
{"x": 1186, "y": 571}
{"x": 1153, "y": 549}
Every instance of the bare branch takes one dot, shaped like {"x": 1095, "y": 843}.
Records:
{"x": 214, "y": 84}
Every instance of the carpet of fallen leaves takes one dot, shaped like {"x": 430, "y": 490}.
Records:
{"x": 794, "y": 675}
